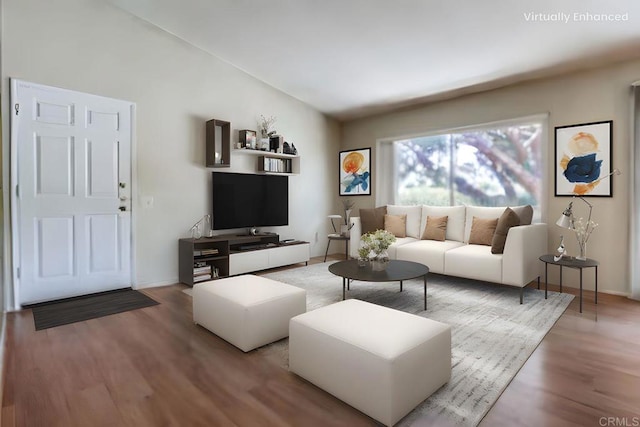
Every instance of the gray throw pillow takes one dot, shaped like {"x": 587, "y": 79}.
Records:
{"x": 525, "y": 213}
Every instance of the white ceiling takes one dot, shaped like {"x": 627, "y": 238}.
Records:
{"x": 349, "y": 58}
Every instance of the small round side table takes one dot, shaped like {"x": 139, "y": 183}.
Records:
{"x": 570, "y": 262}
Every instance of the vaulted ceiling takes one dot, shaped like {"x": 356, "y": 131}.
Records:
{"x": 349, "y": 58}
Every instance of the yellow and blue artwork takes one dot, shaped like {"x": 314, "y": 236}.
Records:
{"x": 355, "y": 172}
{"x": 583, "y": 159}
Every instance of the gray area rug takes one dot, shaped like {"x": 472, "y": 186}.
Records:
{"x": 492, "y": 334}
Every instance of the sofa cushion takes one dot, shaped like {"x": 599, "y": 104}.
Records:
{"x": 427, "y": 252}
{"x": 372, "y": 219}
{"x": 396, "y": 225}
{"x": 413, "y": 214}
{"x": 507, "y": 220}
{"x": 525, "y": 213}
{"x": 401, "y": 241}
{"x": 455, "y": 220}
{"x": 436, "y": 228}
{"x": 474, "y": 262}
{"x": 482, "y": 231}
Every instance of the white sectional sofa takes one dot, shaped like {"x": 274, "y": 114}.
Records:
{"x": 518, "y": 265}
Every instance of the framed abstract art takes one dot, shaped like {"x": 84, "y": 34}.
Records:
{"x": 583, "y": 159}
{"x": 355, "y": 172}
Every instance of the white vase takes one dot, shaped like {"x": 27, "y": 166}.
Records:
{"x": 582, "y": 247}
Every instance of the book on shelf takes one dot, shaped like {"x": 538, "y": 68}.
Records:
{"x": 202, "y": 278}
{"x": 209, "y": 252}
{"x": 202, "y": 270}
{"x": 277, "y": 165}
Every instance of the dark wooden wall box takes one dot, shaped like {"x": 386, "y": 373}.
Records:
{"x": 218, "y": 141}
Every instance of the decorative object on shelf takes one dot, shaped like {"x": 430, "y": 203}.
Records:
{"x": 582, "y": 229}
{"x": 377, "y": 242}
{"x": 248, "y": 138}
{"x": 265, "y": 125}
{"x": 583, "y": 159}
{"x": 275, "y": 143}
{"x": 266, "y": 131}
{"x": 562, "y": 251}
{"x": 289, "y": 148}
{"x": 202, "y": 228}
{"x": 355, "y": 172}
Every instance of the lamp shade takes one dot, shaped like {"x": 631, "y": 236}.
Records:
{"x": 564, "y": 221}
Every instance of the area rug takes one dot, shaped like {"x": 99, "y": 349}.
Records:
{"x": 492, "y": 334}
{"x": 78, "y": 309}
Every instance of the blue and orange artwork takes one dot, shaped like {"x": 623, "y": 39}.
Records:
{"x": 582, "y": 160}
{"x": 355, "y": 177}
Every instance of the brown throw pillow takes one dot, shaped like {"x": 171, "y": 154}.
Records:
{"x": 507, "y": 220}
{"x": 396, "y": 225}
{"x": 482, "y": 231}
{"x": 436, "y": 228}
{"x": 372, "y": 219}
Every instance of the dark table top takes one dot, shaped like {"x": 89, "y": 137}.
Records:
{"x": 569, "y": 261}
{"x": 395, "y": 271}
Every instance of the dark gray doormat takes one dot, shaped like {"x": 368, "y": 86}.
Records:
{"x": 77, "y": 309}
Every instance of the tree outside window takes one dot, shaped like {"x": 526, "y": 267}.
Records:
{"x": 489, "y": 167}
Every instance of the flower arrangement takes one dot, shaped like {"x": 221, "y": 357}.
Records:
{"x": 378, "y": 242}
{"x": 583, "y": 230}
{"x": 265, "y": 124}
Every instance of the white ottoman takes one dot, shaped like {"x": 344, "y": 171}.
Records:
{"x": 247, "y": 311}
{"x": 381, "y": 361}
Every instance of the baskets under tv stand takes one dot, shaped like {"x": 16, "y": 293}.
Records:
{"x": 232, "y": 254}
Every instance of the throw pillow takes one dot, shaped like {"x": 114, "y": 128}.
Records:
{"x": 525, "y": 213}
{"x": 507, "y": 220}
{"x": 436, "y": 228}
{"x": 482, "y": 231}
{"x": 372, "y": 219}
{"x": 396, "y": 225}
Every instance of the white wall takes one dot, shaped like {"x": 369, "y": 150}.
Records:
{"x": 588, "y": 96}
{"x": 90, "y": 46}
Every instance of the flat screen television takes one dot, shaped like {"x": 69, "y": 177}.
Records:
{"x": 249, "y": 200}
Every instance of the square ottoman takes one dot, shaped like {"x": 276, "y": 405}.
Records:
{"x": 248, "y": 311}
{"x": 381, "y": 361}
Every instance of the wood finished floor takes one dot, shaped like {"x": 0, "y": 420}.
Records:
{"x": 154, "y": 367}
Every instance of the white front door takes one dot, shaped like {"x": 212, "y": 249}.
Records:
{"x": 72, "y": 192}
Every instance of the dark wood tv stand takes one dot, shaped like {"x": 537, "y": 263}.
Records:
{"x": 233, "y": 254}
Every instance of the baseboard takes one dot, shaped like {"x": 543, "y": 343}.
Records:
{"x": 622, "y": 294}
{"x": 156, "y": 284}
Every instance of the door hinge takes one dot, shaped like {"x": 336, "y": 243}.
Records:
{"x": 17, "y": 191}
{"x": 18, "y": 273}
{"x": 17, "y": 108}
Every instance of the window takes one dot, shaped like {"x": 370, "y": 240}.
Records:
{"x": 493, "y": 165}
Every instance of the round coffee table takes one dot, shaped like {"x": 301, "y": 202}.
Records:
{"x": 396, "y": 271}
